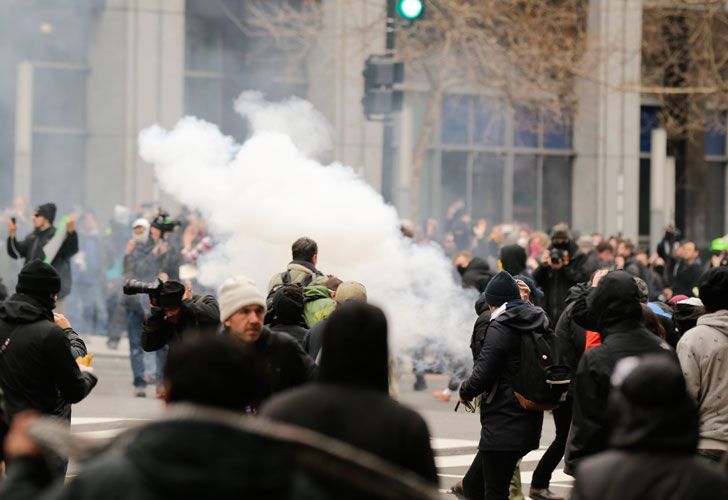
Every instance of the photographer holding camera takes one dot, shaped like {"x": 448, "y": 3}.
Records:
{"x": 176, "y": 313}
{"x": 562, "y": 266}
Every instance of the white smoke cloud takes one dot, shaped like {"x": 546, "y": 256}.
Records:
{"x": 260, "y": 196}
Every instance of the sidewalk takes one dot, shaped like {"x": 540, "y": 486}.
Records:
{"x": 96, "y": 345}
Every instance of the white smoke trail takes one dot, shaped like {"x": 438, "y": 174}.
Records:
{"x": 260, "y": 196}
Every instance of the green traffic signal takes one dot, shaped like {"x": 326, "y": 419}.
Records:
{"x": 410, "y": 9}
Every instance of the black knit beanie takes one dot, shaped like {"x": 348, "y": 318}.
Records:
{"x": 38, "y": 278}
{"x": 713, "y": 289}
{"x": 501, "y": 288}
{"x": 47, "y": 210}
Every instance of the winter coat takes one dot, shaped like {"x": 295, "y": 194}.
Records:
{"x": 652, "y": 449}
{"x": 480, "y": 328}
{"x": 556, "y": 283}
{"x": 702, "y": 353}
{"x": 506, "y": 426}
{"x": 31, "y": 248}
{"x": 286, "y": 364}
{"x": 298, "y": 271}
{"x": 200, "y": 315}
{"x": 589, "y": 429}
{"x": 3, "y": 291}
{"x": 297, "y": 332}
{"x": 571, "y": 337}
{"x": 140, "y": 264}
{"x": 476, "y": 275}
{"x": 684, "y": 277}
{"x": 365, "y": 418}
{"x": 37, "y": 366}
{"x": 318, "y": 304}
{"x": 314, "y": 339}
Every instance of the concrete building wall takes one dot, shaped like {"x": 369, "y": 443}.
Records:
{"x": 352, "y": 30}
{"x": 606, "y": 138}
{"x": 137, "y": 79}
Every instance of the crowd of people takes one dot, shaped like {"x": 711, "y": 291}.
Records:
{"x": 290, "y": 391}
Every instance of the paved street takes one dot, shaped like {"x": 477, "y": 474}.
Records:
{"x": 111, "y": 408}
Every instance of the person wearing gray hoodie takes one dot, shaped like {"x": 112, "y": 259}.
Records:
{"x": 702, "y": 352}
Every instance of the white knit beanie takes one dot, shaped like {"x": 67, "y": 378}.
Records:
{"x": 237, "y": 293}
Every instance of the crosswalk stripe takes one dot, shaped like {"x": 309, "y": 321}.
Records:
{"x": 443, "y": 462}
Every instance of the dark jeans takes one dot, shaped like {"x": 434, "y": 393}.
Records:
{"x": 473, "y": 483}
{"x": 498, "y": 467}
{"x": 550, "y": 460}
{"x": 134, "y": 320}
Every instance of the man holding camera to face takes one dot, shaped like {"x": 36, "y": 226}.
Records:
{"x": 561, "y": 268}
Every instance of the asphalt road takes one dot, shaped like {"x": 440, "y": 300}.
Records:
{"x": 111, "y": 407}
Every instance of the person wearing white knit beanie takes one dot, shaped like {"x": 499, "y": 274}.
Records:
{"x": 242, "y": 308}
{"x": 242, "y": 311}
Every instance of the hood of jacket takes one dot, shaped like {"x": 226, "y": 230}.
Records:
{"x": 575, "y": 292}
{"x": 651, "y": 410}
{"x": 23, "y": 308}
{"x": 193, "y": 459}
{"x": 615, "y": 300}
{"x": 478, "y": 265}
{"x": 481, "y": 305}
{"x": 513, "y": 259}
{"x": 717, "y": 320}
{"x": 524, "y": 317}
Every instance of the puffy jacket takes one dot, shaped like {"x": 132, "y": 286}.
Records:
{"x": 200, "y": 315}
{"x": 32, "y": 248}
{"x": 702, "y": 353}
{"x": 505, "y": 425}
{"x": 37, "y": 367}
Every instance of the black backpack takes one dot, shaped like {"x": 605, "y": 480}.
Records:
{"x": 543, "y": 379}
{"x": 270, "y": 302}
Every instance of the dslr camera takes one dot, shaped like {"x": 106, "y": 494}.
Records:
{"x": 558, "y": 255}
{"x": 164, "y": 223}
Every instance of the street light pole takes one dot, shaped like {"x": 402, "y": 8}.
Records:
{"x": 388, "y": 125}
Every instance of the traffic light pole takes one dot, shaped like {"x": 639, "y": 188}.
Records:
{"x": 388, "y": 133}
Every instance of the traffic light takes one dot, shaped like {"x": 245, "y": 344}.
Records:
{"x": 380, "y": 75}
{"x": 410, "y": 9}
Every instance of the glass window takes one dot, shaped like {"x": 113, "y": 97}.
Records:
{"x": 556, "y": 191}
{"x": 203, "y": 44}
{"x": 525, "y": 131}
{"x": 649, "y": 119}
{"x": 203, "y": 98}
{"x": 715, "y": 191}
{"x": 644, "y": 201}
{"x": 524, "y": 189}
{"x": 488, "y": 187}
{"x": 58, "y": 169}
{"x": 59, "y": 98}
{"x": 454, "y": 178}
{"x": 455, "y": 118}
{"x": 489, "y": 122}
{"x": 557, "y": 130}
{"x": 715, "y": 130}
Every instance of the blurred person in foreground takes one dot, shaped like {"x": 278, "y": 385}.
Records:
{"x": 353, "y": 384}
{"x": 653, "y": 441}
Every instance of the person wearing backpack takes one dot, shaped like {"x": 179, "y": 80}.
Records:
{"x": 302, "y": 269}
{"x": 508, "y": 430}
{"x": 613, "y": 308}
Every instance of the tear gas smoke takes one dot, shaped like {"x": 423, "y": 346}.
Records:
{"x": 259, "y": 196}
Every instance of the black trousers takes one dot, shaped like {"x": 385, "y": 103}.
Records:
{"x": 550, "y": 460}
{"x": 498, "y": 467}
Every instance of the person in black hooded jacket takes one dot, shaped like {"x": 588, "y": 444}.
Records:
{"x": 508, "y": 431}
{"x": 612, "y": 307}
{"x": 653, "y": 443}
{"x": 512, "y": 258}
{"x": 353, "y": 386}
{"x": 286, "y": 315}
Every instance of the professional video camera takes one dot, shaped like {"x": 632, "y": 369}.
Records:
{"x": 167, "y": 294}
{"x": 164, "y": 223}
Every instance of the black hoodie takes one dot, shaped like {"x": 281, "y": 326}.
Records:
{"x": 506, "y": 426}
{"x": 513, "y": 259}
{"x": 350, "y": 401}
{"x": 37, "y": 366}
{"x": 653, "y": 444}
